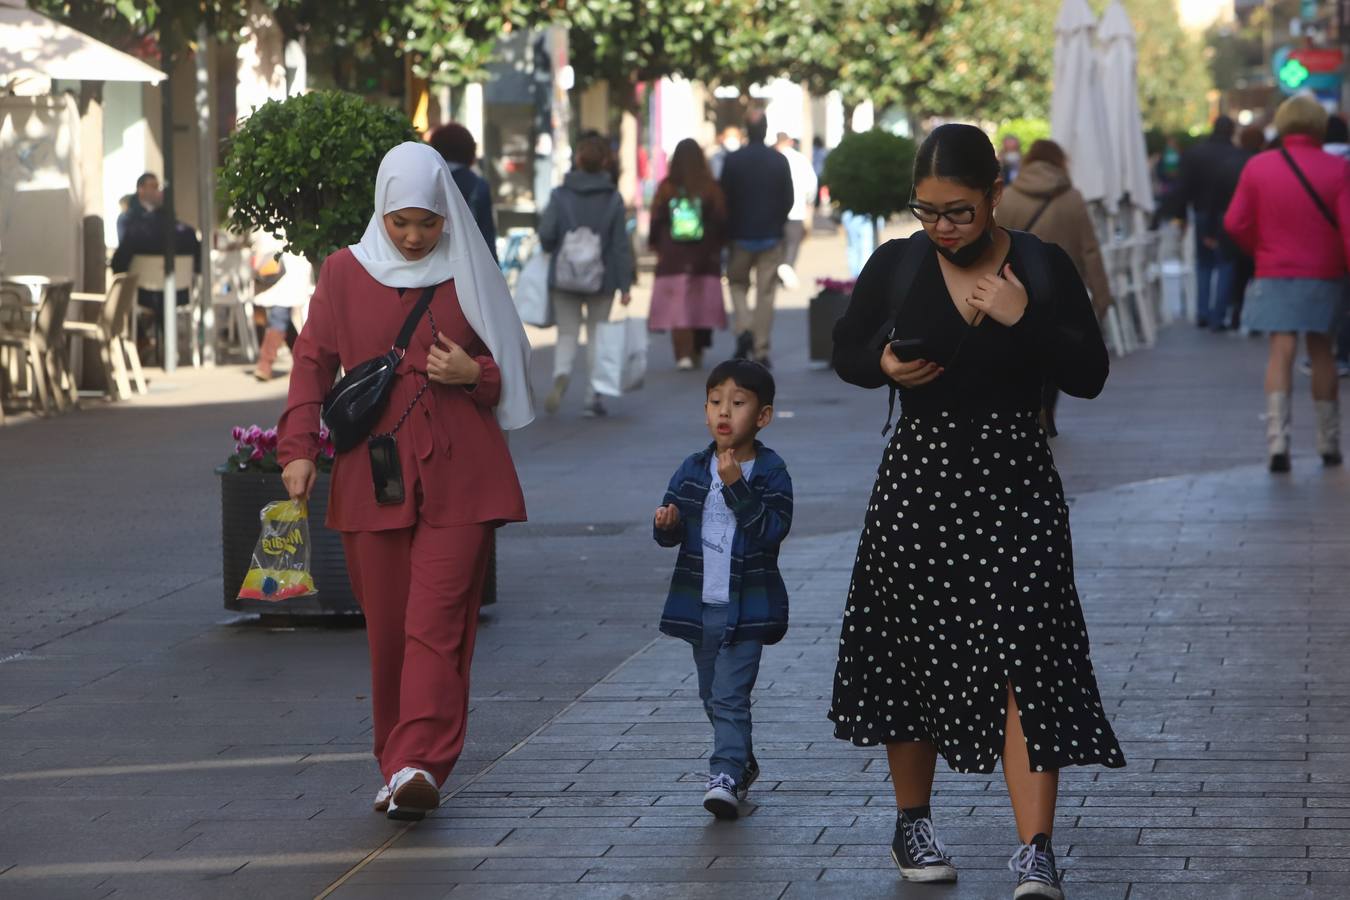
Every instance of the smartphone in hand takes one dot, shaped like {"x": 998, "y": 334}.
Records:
{"x": 909, "y": 349}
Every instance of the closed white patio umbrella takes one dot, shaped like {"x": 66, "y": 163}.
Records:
{"x": 1119, "y": 63}
{"x": 1078, "y": 106}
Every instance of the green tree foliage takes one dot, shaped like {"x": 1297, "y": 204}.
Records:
{"x": 626, "y": 42}
{"x": 302, "y": 169}
{"x": 871, "y": 173}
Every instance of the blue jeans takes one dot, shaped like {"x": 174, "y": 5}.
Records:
{"x": 860, "y": 239}
{"x": 726, "y": 676}
{"x": 278, "y": 318}
{"x": 1214, "y": 276}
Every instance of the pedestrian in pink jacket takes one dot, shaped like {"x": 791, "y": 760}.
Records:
{"x": 1291, "y": 213}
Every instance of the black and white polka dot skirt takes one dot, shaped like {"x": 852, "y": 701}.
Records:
{"x": 964, "y": 585}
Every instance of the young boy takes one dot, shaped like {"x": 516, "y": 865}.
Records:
{"x": 728, "y": 509}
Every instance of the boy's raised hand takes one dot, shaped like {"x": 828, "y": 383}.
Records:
{"x": 668, "y": 517}
{"x": 728, "y": 469}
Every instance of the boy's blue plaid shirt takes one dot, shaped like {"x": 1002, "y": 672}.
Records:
{"x": 762, "y": 505}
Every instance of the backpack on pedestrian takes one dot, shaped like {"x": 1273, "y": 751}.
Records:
{"x": 579, "y": 264}
{"x": 686, "y": 219}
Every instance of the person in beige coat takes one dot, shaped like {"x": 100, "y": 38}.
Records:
{"x": 1043, "y": 201}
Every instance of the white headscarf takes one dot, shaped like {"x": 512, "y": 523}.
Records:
{"x": 414, "y": 175}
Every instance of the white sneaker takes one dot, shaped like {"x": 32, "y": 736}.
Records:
{"x": 382, "y": 799}
{"x": 685, "y": 364}
{"x": 787, "y": 276}
{"x": 412, "y": 794}
{"x": 721, "y": 797}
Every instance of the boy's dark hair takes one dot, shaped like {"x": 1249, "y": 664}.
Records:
{"x": 748, "y": 376}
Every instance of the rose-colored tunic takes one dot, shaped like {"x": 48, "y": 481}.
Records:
{"x": 457, "y": 469}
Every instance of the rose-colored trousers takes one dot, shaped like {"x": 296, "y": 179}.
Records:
{"x": 420, "y": 589}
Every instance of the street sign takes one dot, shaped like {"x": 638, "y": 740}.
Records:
{"x": 1314, "y": 69}
{"x": 1319, "y": 59}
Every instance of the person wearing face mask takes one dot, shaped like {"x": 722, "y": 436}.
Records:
{"x": 417, "y": 503}
{"x": 963, "y": 583}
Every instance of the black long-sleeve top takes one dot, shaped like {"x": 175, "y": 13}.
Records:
{"x": 987, "y": 366}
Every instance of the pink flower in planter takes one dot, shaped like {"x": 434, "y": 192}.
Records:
{"x": 237, "y": 433}
{"x": 257, "y": 455}
{"x": 253, "y": 435}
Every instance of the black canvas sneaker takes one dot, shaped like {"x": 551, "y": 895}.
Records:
{"x": 1037, "y": 876}
{"x": 918, "y": 853}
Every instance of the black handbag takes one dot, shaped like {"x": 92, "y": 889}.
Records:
{"x": 353, "y": 406}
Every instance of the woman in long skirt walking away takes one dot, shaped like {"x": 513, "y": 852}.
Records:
{"x": 962, "y": 632}
{"x": 417, "y": 504}
{"x": 688, "y": 232}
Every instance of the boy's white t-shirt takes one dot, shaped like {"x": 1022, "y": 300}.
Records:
{"x": 719, "y": 532}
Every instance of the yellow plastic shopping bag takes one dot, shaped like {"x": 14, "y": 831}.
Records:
{"x": 280, "y": 566}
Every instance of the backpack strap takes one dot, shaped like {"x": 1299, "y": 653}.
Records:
{"x": 1031, "y": 253}
{"x": 917, "y": 249}
{"x": 1040, "y": 212}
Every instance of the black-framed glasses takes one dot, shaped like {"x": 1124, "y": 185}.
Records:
{"x": 961, "y": 215}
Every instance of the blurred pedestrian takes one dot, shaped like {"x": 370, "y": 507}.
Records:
{"x": 457, "y": 147}
{"x": 1010, "y": 160}
{"x": 1338, "y": 144}
{"x": 1251, "y": 141}
{"x": 757, "y": 182}
{"x": 416, "y": 519}
{"x": 141, "y": 229}
{"x": 795, "y": 229}
{"x": 819, "y": 153}
{"x": 688, "y": 232}
{"x": 283, "y": 283}
{"x": 954, "y": 640}
{"x": 1291, "y": 212}
{"x": 728, "y": 142}
{"x": 1045, "y": 202}
{"x": 1197, "y": 187}
{"x": 585, "y": 228}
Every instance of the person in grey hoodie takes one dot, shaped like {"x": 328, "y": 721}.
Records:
{"x": 587, "y": 198}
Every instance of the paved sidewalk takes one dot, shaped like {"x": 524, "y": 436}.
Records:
{"x": 150, "y": 747}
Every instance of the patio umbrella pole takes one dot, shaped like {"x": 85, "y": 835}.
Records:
{"x": 168, "y": 338}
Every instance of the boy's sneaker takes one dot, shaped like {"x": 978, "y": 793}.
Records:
{"x": 382, "y": 799}
{"x": 751, "y": 776}
{"x": 1037, "y": 876}
{"x": 917, "y": 852}
{"x": 720, "y": 800}
{"x": 412, "y": 794}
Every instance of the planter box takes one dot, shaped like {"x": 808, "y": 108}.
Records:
{"x": 827, "y": 307}
{"x": 242, "y": 497}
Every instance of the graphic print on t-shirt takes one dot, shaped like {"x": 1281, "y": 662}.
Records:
{"x": 719, "y": 534}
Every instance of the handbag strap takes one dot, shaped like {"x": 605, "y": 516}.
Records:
{"x": 1303, "y": 179}
{"x": 426, "y": 382}
{"x": 1040, "y": 212}
{"x": 414, "y": 316}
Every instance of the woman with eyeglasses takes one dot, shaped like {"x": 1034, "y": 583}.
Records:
{"x": 962, "y": 631}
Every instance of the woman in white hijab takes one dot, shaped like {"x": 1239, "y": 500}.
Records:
{"x": 417, "y": 545}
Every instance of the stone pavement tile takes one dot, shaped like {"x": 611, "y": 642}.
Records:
{"x": 619, "y": 891}
{"x": 1240, "y": 891}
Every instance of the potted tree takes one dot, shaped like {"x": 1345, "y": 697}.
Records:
{"x": 302, "y": 170}
{"x": 870, "y": 177}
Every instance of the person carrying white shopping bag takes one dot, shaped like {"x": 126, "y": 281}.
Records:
{"x": 584, "y": 229}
